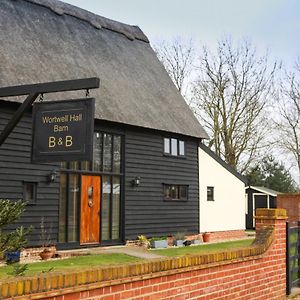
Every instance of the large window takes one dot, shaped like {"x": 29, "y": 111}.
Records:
{"x": 107, "y": 164}
{"x": 175, "y": 192}
{"x": 174, "y": 147}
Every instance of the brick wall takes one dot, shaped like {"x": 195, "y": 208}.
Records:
{"x": 225, "y": 235}
{"x": 255, "y": 272}
{"x": 290, "y": 202}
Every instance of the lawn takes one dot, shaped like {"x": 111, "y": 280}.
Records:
{"x": 71, "y": 264}
{"x": 204, "y": 248}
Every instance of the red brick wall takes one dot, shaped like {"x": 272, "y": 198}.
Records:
{"x": 242, "y": 276}
{"x": 290, "y": 202}
{"x": 225, "y": 235}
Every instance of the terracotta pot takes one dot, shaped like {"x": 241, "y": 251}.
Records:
{"x": 46, "y": 254}
{"x": 206, "y": 237}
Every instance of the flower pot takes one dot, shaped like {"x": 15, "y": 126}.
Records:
{"x": 159, "y": 244}
{"x": 12, "y": 256}
{"x": 178, "y": 243}
{"x": 206, "y": 237}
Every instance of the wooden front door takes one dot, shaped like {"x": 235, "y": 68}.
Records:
{"x": 90, "y": 210}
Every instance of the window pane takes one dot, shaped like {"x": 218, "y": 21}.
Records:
{"x": 116, "y": 209}
{"x": 62, "y": 208}
{"x": 73, "y": 204}
{"x": 174, "y": 192}
{"x": 29, "y": 192}
{"x": 107, "y": 141}
{"x": 166, "y": 145}
{"x": 97, "y": 152}
{"x": 183, "y": 192}
{"x": 64, "y": 165}
{"x": 74, "y": 165}
{"x": 105, "y": 216}
{"x": 117, "y": 154}
{"x": 167, "y": 192}
{"x": 210, "y": 193}
{"x": 181, "y": 148}
{"x": 174, "y": 147}
{"x": 85, "y": 165}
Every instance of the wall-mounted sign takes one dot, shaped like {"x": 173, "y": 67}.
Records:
{"x": 63, "y": 130}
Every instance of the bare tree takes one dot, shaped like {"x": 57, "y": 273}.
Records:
{"x": 177, "y": 57}
{"x": 289, "y": 107}
{"x": 230, "y": 95}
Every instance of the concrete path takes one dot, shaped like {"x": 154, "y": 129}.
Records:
{"x": 129, "y": 250}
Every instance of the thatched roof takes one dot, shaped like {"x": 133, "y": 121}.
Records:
{"x": 48, "y": 40}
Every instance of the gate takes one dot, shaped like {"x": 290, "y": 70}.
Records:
{"x": 292, "y": 256}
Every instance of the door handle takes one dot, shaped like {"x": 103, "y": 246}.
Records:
{"x": 90, "y": 192}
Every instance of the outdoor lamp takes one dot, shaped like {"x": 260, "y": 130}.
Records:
{"x": 136, "y": 181}
{"x": 52, "y": 176}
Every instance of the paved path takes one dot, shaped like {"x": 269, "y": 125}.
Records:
{"x": 129, "y": 250}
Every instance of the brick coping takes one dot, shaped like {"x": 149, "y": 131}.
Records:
{"x": 64, "y": 283}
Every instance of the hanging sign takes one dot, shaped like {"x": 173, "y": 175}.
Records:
{"x": 63, "y": 130}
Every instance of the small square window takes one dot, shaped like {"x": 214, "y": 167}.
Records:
{"x": 29, "y": 192}
{"x": 210, "y": 193}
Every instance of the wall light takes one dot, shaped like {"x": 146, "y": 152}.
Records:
{"x": 52, "y": 176}
{"x": 136, "y": 181}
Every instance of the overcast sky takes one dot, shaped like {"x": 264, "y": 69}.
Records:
{"x": 269, "y": 24}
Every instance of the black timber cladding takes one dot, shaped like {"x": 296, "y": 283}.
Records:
{"x": 15, "y": 168}
{"x": 146, "y": 212}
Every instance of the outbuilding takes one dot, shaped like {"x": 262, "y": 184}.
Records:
{"x": 145, "y": 153}
{"x": 258, "y": 197}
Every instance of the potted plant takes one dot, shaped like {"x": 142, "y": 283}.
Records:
{"x": 143, "y": 241}
{"x": 179, "y": 239}
{"x": 206, "y": 237}
{"x": 159, "y": 242}
{"x": 17, "y": 241}
{"x": 45, "y": 237}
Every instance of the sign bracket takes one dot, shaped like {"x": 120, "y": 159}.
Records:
{"x": 34, "y": 90}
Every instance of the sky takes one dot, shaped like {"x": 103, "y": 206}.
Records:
{"x": 272, "y": 25}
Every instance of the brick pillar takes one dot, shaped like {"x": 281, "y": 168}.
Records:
{"x": 277, "y": 252}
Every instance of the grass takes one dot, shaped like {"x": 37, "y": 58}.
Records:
{"x": 204, "y": 248}
{"x": 71, "y": 264}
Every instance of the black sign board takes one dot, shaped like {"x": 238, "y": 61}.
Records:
{"x": 63, "y": 130}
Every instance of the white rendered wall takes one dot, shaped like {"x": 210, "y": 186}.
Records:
{"x": 227, "y": 211}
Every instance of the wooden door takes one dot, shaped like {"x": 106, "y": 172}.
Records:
{"x": 90, "y": 210}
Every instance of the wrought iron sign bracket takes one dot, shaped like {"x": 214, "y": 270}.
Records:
{"x": 34, "y": 90}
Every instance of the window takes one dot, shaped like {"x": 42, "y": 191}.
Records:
{"x": 175, "y": 192}
{"x": 174, "y": 147}
{"x": 29, "y": 192}
{"x": 210, "y": 193}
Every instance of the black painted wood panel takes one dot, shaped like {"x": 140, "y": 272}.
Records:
{"x": 146, "y": 212}
{"x": 16, "y": 167}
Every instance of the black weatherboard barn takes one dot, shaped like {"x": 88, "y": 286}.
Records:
{"x": 143, "y": 178}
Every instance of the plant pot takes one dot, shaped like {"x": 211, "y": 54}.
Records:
{"x": 206, "y": 237}
{"x": 46, "y": 254}
{"x": 178, "y": 243}
{"x": 12, "y": 256}
{"x": 196, "y": 242}
{"x": 159, "y": 244}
